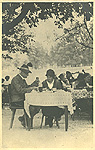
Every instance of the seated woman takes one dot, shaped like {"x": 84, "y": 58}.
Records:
{"x": 51, "y": 111}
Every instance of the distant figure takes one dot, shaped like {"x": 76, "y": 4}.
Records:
{"x": 65, "y": 83}
{"x": 81, "y": 79}
{"x": 63, "y": 79}
{"x": 70, "y": 78}
{"x": 3, "y": 88}
{"x": 5, "y": 95}
{"x": 7, "y": 80}
{"x": 3, "y": 80}
{"x": 89, "y": 82}
{"x": 86, "y": 74}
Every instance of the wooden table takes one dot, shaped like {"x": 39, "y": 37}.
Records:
{"x": 59, "y": 98}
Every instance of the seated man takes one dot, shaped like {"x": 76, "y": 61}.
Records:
{"x": 19, "y": 87}
{"x": 51, "y": 111}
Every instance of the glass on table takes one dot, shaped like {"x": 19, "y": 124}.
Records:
{"x": 40, "y": 89}
{"x": 54, "y": 89}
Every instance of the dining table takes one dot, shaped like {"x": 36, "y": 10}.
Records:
{"x": 60, "y": 98}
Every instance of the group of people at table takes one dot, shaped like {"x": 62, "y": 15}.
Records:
{"x": 64, "y": 82}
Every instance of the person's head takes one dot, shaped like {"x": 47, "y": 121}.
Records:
{"x": 50, "y": 75}
{"x": 37, "y": 79}
{"x": 7, "y": 78}
{"x": 61, "y": 76}
{"x": 68, "y": 74}
{"x": 83, "y": 71}
{"x": 29, "y": 64}
{"x": 24, "y": 71}
{"x": 3, "y": 80}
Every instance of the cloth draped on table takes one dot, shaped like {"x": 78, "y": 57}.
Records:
{"x": 59, "y": 98}
{"x": 48, "y": 98}
{"x": 83, "y": 93}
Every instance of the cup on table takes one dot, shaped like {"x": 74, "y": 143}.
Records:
{"x": 54, "y": 89}
{"x": 44, "y": 89}
{"x": 40, "y": 89}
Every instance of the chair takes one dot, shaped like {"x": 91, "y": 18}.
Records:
{"x": 53, "y": 113}
{"x": 56, "y": 120}
{"x": 14, "y": 107}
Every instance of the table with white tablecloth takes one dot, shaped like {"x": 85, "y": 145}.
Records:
{"x": 48, "y": 98}
{"x": 59, "y": 98}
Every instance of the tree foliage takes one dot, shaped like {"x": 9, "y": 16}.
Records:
{"x": 32, "y": 12}
{"x": 75, "y": 44}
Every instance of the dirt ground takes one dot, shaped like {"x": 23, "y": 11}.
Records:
{"x": 79, "y": 134}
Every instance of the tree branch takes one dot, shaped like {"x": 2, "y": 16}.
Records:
{"x": 87, "y": 28}
{"x": 84, "y": 44}
{"x": 8, "y": 26}
{"x": 68, "y": 30}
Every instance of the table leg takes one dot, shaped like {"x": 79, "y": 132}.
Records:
{"x": 29, "y": 124}
{"x": 42, "y": 121}
{"x": 66, "y": 118}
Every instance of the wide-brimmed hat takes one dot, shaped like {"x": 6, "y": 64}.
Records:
{"x": 50, "y": 73}
{"x": 24, "y": 68}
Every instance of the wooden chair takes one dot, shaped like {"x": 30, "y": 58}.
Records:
{"x": 53, "y": 113}
{"x": 56, "y": 120}
{"x": 14, "y": 108}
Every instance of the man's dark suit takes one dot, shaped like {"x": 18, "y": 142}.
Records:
{"x": 18, "y": 89}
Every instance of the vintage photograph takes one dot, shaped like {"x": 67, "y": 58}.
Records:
{"x": 47, "y": 74}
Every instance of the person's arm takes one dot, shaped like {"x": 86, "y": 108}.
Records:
{"x": 34, "y": 84}
{"x": 19, "y": 88}
{"x": 58, "y": 84}
{"x": 44, "y": 84}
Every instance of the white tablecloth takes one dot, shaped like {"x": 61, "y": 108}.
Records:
{"x": 48, "y": 98}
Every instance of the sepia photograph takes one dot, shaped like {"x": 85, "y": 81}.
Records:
{"x": 47, "y": 74}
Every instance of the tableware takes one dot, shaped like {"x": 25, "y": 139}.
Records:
{"x": 40, "y": 89}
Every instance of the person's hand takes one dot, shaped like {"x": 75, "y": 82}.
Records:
{"x": 35, "y": 88}
{"x": 69, "y": 89}
{"x": 29, "y": 90}
{"x": 44, "y": 89}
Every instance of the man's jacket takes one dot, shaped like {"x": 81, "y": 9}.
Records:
{"x": 18, "y": 89}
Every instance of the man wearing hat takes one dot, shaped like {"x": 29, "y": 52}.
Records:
{"x": 19, "y": 87}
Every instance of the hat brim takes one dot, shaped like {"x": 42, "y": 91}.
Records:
{"x": 30, "y": 71}
{"x": 50, "y": 75}
{"x": 24, "y": 70}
